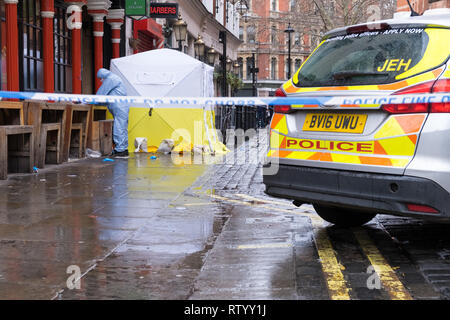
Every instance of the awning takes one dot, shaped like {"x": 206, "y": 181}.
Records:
{"x": 149, "y": 35}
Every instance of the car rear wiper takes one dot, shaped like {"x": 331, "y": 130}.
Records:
{"x": 349, "y": 74}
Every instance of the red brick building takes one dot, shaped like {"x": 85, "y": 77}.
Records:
{"x": 421, "y": 5}
{"x": 58, "y": 45}
{"x": 263, "y": 32}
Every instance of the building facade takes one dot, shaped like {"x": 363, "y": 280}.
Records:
{"x": 204, "y": 18}
{"x": 57, "y": 46}
{"x": 265, "y": 40}
{"x": 263, "y": 31}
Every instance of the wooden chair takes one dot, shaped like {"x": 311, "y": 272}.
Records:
{"x": 105, "y": 132}
{"x": 76, "y": 141}
{"x": 49, "y": 121}
{"x": 50, "y": 144}
{"x": 16, "y": 149}
{"x": 12, "y": 113}
{"x": 78, "y": 116}
{"x": 100, "y": 130}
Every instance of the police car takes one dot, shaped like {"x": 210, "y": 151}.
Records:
{"x": 353, "y": 162}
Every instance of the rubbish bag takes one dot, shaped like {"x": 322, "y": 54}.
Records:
{"x": 141, "y": 145}
{"x": 201, "y": 149}
{"x": 166, "y": 146}
{"x": 92, "y": 153}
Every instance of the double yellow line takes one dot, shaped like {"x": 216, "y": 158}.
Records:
{"x": 332, "y": 269}
{"x": 386, "y": 274}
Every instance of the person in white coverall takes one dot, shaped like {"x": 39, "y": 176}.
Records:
{"x": 113, "y": 86}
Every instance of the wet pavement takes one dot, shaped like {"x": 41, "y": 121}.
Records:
{"x": 90, "y": 212}
{"x": 149, "y": 229}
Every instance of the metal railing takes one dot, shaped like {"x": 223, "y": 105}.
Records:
{"x": 241, "y": 117}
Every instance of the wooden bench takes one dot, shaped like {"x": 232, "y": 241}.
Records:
{"x": 16, "y": 150}
{"x": 49, "y": 121}
{"x": 77, "y": 114}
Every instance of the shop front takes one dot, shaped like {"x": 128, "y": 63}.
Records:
{"x": 58, "y": 46}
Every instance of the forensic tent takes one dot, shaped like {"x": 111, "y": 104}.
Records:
{"x": 169, "y": 73}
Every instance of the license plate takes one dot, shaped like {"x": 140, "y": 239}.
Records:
{"x": 335, "y": 122}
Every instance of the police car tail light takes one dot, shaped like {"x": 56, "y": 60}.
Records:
{"x": 418, "y": 107}
{"x": 439, "y": 87}
{"x": 281, "y": 108}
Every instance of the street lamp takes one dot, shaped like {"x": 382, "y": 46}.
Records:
{"x": 211, "y": 55}
{"x": 289, "y": 30}
{"x": 236, "y": 68}
{"x": 242, "y": 8}
{"x": 199, "y": 47}
{"x": 254, "y": 71}
{"x": 180, "y": 30}
{"x": 229, "y": 64}
{"x": 223, "y": 41}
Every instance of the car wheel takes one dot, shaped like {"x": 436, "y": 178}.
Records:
{"x": 343, "y": 217}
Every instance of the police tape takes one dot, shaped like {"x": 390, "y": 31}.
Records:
{"x": 367, "y": 101}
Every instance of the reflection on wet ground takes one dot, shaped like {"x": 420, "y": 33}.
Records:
{"x": 98, "y": 215}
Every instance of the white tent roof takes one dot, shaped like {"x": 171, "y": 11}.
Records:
{"x": 164, "y": 72}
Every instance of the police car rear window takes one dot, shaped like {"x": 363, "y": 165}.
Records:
{"x": 373, "y": 57}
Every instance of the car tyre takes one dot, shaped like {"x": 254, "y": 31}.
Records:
{"x": 343, "y": 217}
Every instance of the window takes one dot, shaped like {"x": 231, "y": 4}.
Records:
{"x": 240, "y": 61}
{"x": 31, "y": 63}
{"x": 332, "y": 8}
{"x": 315, "y": 38}
{"x": 273, "y": 68}
{"x": 297, "y": 39}
{"x": 274, "y": 5}
{"x": 249, "y": 63}
{"x": 251, "y": 34}
{"x": 298, "y": 64}
{"x": 292, "y": 4}
{"x": 274, "y": 35}
{"x": 62, "y": 47}
{"x": 241, "y": 33}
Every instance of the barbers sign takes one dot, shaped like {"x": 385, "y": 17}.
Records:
{"x": 145, "y": 8}
{"x": 164, "y": 10}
